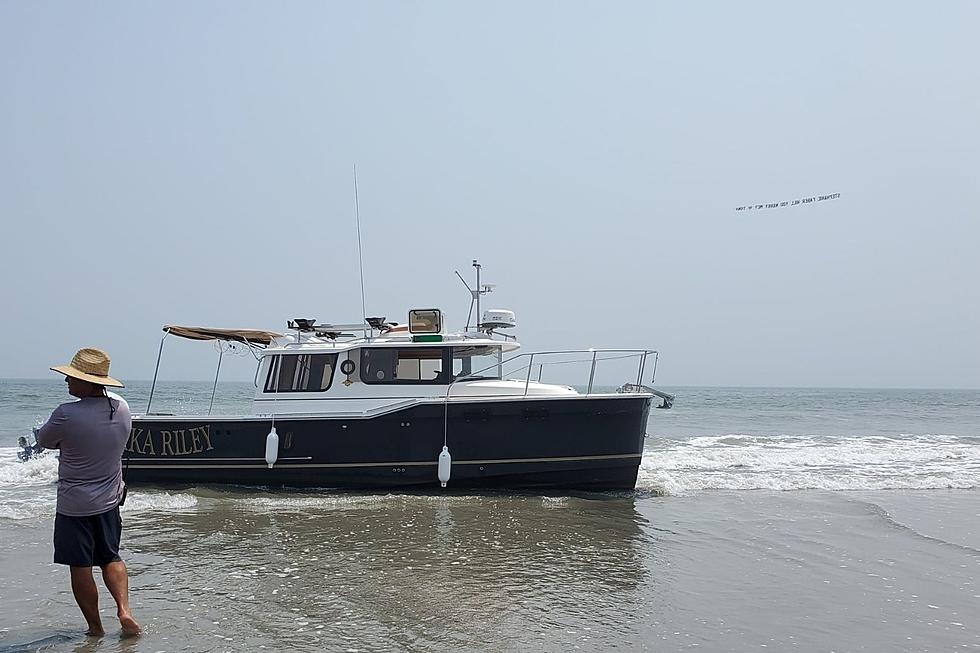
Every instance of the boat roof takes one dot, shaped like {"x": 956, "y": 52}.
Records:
{"x": 279, "y": 342}
{"x": 474, "y": 340}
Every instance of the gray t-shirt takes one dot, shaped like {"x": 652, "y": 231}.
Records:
{"x": 90, "y": 466}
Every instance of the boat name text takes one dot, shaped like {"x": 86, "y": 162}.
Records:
{"x": 181, "y": 442}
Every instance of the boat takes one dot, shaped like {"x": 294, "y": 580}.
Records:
{"x": 378, "y": 405}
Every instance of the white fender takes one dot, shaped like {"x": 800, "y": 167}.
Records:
{"x": 445, "y": 466}
{"x": 272, "y": 448}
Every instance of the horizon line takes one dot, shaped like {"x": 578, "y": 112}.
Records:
{"x": 667, "y": 385}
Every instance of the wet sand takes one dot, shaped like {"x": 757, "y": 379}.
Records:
{"x": 213, "y": 570}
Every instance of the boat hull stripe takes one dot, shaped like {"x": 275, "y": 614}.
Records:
{"x": 261, "y": 463}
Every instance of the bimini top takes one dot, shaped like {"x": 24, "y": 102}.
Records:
{"x": 247, "y": 336}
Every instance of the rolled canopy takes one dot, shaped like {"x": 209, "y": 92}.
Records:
{"x": 247, "y": 336}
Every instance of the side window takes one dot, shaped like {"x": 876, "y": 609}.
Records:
{"x": 300, "y": 373}
{"x": 479, "y": 361}
{"x": 415, "y": 366}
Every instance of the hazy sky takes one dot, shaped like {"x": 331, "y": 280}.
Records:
{"x": 191, "y": 163}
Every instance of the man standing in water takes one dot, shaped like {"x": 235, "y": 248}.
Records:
{"x": 91, "y": 434}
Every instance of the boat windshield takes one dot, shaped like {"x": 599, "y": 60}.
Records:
{"x": 476, "y": 361}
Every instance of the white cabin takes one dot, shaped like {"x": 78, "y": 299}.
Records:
{"x": 316, "y": 369}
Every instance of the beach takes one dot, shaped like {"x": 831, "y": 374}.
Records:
{"x": 425, "y": 240}
{"x": 763, "y": 519}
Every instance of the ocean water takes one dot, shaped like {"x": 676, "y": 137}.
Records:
{"x": 763, "y": 519}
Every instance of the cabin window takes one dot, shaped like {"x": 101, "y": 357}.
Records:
{"x": 300, "y": 373}
{"x": 411, "y": 366}
{"x": 477, "y": 361}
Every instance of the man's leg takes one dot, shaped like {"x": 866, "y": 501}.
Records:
{"x": 87, "y": 596}
{"x": 117, "y": 580}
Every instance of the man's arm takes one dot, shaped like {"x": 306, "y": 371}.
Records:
{"x": 49, "y": 436}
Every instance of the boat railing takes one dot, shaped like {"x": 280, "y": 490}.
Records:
{"x": 592, "y": 356}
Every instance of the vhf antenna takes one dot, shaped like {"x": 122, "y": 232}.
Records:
{"x": 360, "y": 256}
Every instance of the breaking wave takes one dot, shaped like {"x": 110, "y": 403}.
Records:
{"x": 42, "y": 470}
{"x": 138, "y": 502}
{"x": 670, "y": 465}
{"x": 29, "y": 490}
{"x": 749, "y": 462}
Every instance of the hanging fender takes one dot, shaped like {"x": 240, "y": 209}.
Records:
{"x": 445, "y": 466}
{"x": 271, "y": 448}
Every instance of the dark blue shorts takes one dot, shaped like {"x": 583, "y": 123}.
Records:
{"x": 91, "y": 541}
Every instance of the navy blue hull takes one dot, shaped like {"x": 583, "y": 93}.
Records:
{"x": 580, "y": 443}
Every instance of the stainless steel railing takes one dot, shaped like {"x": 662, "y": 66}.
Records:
{"x": 595, "y": 356}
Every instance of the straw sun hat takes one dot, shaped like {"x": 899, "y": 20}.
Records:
{"x": 90, "y": 364}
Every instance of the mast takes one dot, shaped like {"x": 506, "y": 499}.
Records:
{"x": 477, "y": 293}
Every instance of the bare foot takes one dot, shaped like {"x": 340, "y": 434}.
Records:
{"x": 129, "y": 626}
{"x": 95, "y": 632}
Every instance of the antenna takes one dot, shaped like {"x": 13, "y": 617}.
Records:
{"x": 472, "y": 299}
{"x": 477, "y": 293}
{"x": 360, "y": 256}
{"x": 485, "y": 289}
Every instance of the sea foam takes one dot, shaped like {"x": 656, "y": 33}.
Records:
{"x": 140, "y": 502}
{"x": 748, "y": 462}
{"x": 30, "y": 489}
{"x": 41, "y": 470}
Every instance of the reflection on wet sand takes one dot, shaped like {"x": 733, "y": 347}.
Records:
{"x": 111, "y": 643}
{"x": 416, "y": 570}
